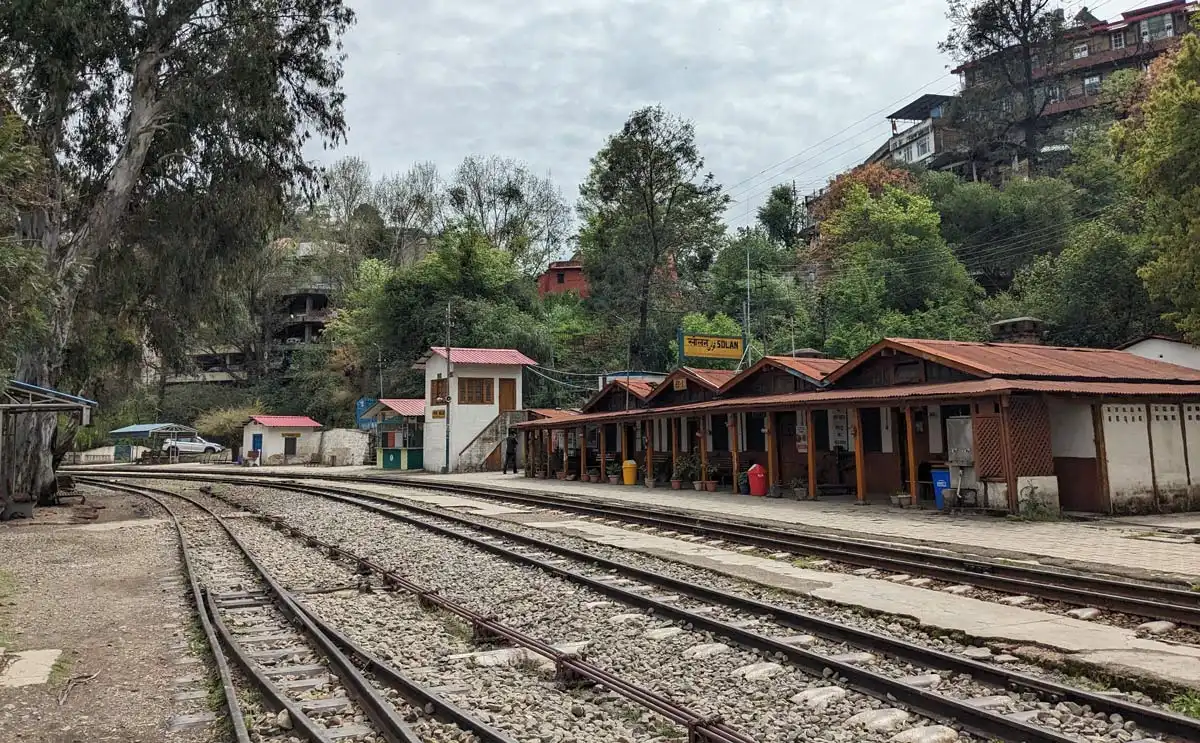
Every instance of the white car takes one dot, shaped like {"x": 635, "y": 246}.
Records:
{"x": 191, "y": 445}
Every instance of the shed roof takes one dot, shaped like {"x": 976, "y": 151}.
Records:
{"x": 714, "y": 378}
{"x": 1151, "y": 337}
{"x": 637, "y": 387}
{"x": 500, "y": 356}
{"x": 553, "y": 412}
{"x": 146, "y": 430}
{"x": 285, "y": 421}
{"x": 1017, "y": 360}
{"x": 812, "y": 369}
{"x": 406, "y": 406}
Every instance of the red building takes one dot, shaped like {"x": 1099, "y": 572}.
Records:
{"x": 563, "y": 276}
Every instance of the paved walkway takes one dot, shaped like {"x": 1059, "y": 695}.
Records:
{"x": 1105, "y": 542}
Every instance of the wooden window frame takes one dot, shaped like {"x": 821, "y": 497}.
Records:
{"x": 476, "y": 391}
{"x": 439, "y": 388}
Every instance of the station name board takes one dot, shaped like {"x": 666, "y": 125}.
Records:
{"x": 713, "y": 346}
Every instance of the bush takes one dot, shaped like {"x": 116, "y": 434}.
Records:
{"x": 225, "y": 424}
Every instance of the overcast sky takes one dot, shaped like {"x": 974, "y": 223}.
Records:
{"x": 546, "y": 81}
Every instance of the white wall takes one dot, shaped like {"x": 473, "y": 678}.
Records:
{"x": 1127, "y": 452}
{"x": 308, "y": 443}
{"x": 1172, "y": 352}
{"x": 1071, "y": 431}
{"x": 1170, "y": 461}
{"x": 346, "y": 446}
{"x": 466, "y": 421}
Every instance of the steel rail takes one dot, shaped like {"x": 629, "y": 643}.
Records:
{"x": 1151, "y": 718}
{"x": 377, "y": 709}
{"x": 929, "y": 704}
{"x": 700, "y": 728}
{"x": 1121, "y": 595}
{"x": 233, "y": 707}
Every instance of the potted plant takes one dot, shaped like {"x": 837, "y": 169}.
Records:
{"x": 676, "y": 479}
{"x": 614, "y": 473}
{"x": 593, "y": 475}
{"x": 743, "y": 480}
{"x": 710, "y": 478}
{"x": 902, "y": 499}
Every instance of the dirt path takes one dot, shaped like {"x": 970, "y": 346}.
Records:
{"x": 92, "y": 590}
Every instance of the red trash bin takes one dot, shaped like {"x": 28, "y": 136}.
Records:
{"x": 758, "y": 479}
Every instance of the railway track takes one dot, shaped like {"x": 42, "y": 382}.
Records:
{"x": 1137, "y": 598}
{"x": 301, "y": 669}
{"x": 970, "y": 714}
{"x": 256, "y": 626}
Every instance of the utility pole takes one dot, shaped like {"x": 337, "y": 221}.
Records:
{"x": 449, "y": 386}
{"x": 380, "y": 360}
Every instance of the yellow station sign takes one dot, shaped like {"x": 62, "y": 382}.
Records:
{"x": 712, "y": 347}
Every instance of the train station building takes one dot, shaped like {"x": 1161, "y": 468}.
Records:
{"x": 1002, "y": 426}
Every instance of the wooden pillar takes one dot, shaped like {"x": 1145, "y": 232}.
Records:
{"x": 624, "y": 431}
{"x": 548, "y": 448}
{"x": 650, "y": 450}
{"x": 1101, "y": 454}
{"x": 603, "y": 453}
{"x": 733, "y": 447}
{"x": 1010, "y": 469}
{"x": 704, "y": 448}
{"x": 912, "y": 452}
{"x": 674, "y": 446}
{"x": 772, "y": 452}
{"x": 860, "y": 466}
{"x": 582, "y": 453}
{"x": 1153, "y": 471}
{"x": 528, "y": 452}
{"x": 812, "y": 454}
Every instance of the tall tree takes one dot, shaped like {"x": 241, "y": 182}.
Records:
{"x": 23, "y": 279}
{"x": 1158, "y": 143}
{"x": 648, "y": 207}
{"x": 784, "y": 215}
{"x": 1007, "y": 50}
{"x": 518, "y": 211}
{"x": 413, "y": 205}
{"x": 347, "y": 187}
{"x": 122, "y": 100}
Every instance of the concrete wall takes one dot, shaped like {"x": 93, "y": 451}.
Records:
{"x": 466, "y": 421}
{"x": 308, "y": 443}
{"x": 1172, "y": 352}
{"x": 1071, "y": 430}
{"x": 346, "y": 446}
{"x": 1127, "y": 458}
{"x": 1170, "y": 459}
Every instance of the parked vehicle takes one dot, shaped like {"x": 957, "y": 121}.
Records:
{"x": 191, "y": 445}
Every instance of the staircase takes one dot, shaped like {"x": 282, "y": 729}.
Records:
{"x": 474, "y": 456}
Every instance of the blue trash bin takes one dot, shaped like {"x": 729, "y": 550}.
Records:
{"x": 941, "y": 485}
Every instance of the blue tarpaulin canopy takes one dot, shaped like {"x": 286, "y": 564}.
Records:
{"x": 150, "y": 430}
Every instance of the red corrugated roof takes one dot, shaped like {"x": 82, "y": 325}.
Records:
{"x": 814, "y": 368}
{"x": 638, "y": 388}
{"x": 832, "y": 398}
{"x": 1030, "y": 361}
{"x": 500, "y": 356}
{"x": 409, "y": 406}
{"x": 285, "y": 421}
{"x": 714, "y": 378}
{"x": 553, "y": 412}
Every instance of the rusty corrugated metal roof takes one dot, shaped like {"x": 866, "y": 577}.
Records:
{"x": 1016, "y": 360}
{"x": 553, "y": 412}
{"x": 714, "y": 378}
{"x": 812, "y": 368}
{"x": 910, "y": 393}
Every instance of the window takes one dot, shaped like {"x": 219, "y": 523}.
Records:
{"x": 1117, "y": 39}
{"x": 562, "y": 277}
{"x": 289, "y": 445}
{"x": 923, "y": 147}
{"x": 1054, "y": 94}
{"x": 1160, "y": 27}
{"x": 476, "y": 391}
{"x": 1079, "y": 51}
{"x": 439, "y": 390}
{"x": 1091, "y": 85}
{"x": 872, "y": 429}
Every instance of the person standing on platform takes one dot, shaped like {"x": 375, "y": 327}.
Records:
{"x": 510, "y": 453}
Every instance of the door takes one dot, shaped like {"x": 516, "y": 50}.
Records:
{"x": 256, "y": 442}
{"x": 508, "y": 395}
{"x": 289, "y": 446}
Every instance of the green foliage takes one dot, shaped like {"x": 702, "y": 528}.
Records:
{"x": 650, "y": 214}
{"x": 1159, "y": 145}
{"x": 23, "y": 276}
{"x": 226, "y": 424}
{"x": 132, "y": 409}
{"x": 1090, "y": 294}
{"x": 784, "y": 216}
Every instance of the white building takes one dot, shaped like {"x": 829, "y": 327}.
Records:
{"x": 281, "y": 439}
{"x": 478, "y": 394}
{"x": 1162, "y": 348}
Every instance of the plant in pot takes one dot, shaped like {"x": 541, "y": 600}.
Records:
{"x": 649, "y": 481}
{"x": 677, "y": 478}
{"x": 710, "y": 478}
{"x": 744, "y": 483}
{"x": 594, "y": 475}
{"x": 614, "y": 473}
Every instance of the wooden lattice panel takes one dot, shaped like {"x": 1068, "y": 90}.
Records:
{"x": 989, "y": 457}
{"x": 1029, "y": 418}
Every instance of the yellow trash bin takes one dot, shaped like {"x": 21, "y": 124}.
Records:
{"x": 629, "y": 472}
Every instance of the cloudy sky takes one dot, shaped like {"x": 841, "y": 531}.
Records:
{"x": 546, "y": 81}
